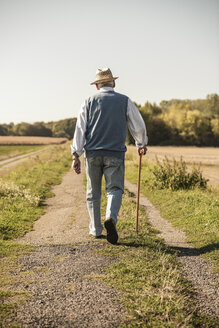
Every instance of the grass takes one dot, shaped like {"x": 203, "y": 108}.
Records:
{"x": 8, "y": 151}
{"x": 194, "y": 211}
{"x": 154, "y": 293}
{"x": 23, "y": 192}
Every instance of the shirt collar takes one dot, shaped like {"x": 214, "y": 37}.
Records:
{"x": 103, "y": 89}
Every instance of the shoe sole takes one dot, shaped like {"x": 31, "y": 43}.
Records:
{"x": 98, "y": 237}
{"x": 112, "y": 235}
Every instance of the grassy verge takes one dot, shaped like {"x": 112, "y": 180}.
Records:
{"x": 23, "y": 192}
{"x": 7, "y": 151}
{"x": 147, "y": 273}
{"x": 194, "y": 211}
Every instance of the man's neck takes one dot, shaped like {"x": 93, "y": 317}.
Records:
{"x": 106, "y": 89}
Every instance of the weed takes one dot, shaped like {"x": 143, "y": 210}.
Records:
{"x": 174, "y": 175}
{"x": 60, "y": 258}
{"x": 70, "y": 286}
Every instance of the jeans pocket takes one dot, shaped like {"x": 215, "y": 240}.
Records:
{"x": 95, "y": 161}
{"x": 113, "y": 161}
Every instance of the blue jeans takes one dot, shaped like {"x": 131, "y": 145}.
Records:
{"x": 113, "y": 170}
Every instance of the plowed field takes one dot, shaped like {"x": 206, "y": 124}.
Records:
{"x": 17, "y": 140}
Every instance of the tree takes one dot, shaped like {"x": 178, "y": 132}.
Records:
{"x": 3, "y": 130}
{"x": 64, "y": 128}
{"x": 213, "y": 104}
{"x": 39, "y": 129}
{"x": 159, "y": 133}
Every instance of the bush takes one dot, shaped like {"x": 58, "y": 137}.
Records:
{"x": 175, "y": 175}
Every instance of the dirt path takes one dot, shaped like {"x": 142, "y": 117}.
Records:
{"x": 195, "y": 269}
{"x": 66, "y": 219}
{"x": 17, "y": 159}
{"x": 61, "y": 271}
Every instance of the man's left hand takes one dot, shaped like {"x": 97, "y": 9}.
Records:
{"x": 76, "y": 165}
{"x": 142, "y": 150}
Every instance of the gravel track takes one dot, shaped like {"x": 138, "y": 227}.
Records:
{"x": 61, "y": 294}
{"x": 66, "y": 219}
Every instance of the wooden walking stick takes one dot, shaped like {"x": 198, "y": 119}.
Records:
{"x": 138, "y": 194}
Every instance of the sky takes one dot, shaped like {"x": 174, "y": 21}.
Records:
{"x": 50, "y": 51}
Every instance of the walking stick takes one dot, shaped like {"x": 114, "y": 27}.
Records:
{"x": 138, "y": 195}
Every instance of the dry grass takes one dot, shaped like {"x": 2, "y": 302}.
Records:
{"x": 203, "y": 155}
{"x": 206, "y": 157}
{"x": 18, "y": 140}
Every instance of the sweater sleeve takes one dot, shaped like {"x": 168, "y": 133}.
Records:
{"x": 80, "y": 129}
{"x": 136, "y": 125}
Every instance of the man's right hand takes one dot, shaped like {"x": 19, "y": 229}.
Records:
{"x": 76, "y": 165}
{"x": 142, "y": 150}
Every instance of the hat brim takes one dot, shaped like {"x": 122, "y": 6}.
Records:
{"x": 104, "y": 80}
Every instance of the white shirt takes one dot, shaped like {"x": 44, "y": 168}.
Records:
{"x": 135, "y": 125}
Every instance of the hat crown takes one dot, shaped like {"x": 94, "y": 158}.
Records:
{"x": 104, "y": 75}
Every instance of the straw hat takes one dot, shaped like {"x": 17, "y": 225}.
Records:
{"x": 104, "y": 75}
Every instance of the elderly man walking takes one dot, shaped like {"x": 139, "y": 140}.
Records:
{"x": 101, "y": 132}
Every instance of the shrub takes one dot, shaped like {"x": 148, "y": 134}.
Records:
{"x": 174, "y": 175}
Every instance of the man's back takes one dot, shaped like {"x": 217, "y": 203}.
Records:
{"x": 106, "y": 121}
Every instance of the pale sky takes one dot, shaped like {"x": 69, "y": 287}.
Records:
{"x": 50, "y": 51}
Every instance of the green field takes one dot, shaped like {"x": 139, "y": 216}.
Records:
{"x": 8, "y": 151}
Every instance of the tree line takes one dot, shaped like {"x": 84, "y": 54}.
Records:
{"x": 182, "y": 122}
{"x": 172, "y": 122}
{"x": 59, "y": 129}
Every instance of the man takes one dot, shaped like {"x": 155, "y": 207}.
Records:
{"x": 100, "y": 132}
